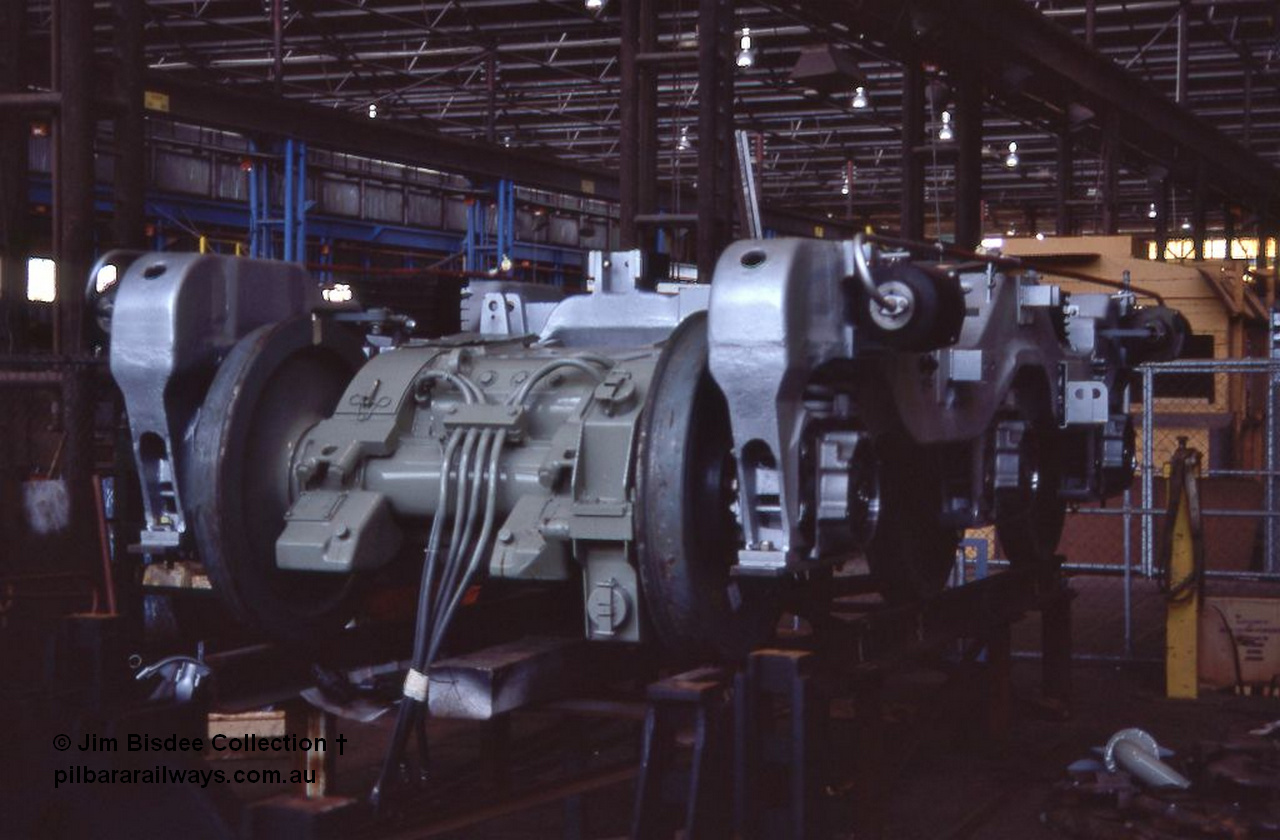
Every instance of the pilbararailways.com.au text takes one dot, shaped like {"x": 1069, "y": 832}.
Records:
{"x": 79, "y": 774}
{"x": 259, "y": 746}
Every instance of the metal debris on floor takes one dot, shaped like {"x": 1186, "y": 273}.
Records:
{"x": 1136, "y": 790}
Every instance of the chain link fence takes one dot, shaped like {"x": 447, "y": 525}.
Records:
{"x": 1226, "y": 409}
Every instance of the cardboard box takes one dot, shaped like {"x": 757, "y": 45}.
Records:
{"x": 1247, "y": 628}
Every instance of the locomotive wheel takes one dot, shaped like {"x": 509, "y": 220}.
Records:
{"x": 911, "y": 554}
{"x": 687, "y": 535}
{"x": 276, "y": 382}
{"x": 1029, "y": 518}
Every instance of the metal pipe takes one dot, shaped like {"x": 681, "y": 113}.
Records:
{"x": 968, "y": 193}
{"x": 1238, "y": 514}
{"x": 1199, "y": 365}
{"x": 628, "y": 124}
{"x": 253, "y": 205}
{"x": 73, "y": 169}
{"x": 277, "y": 45}
{"x": 30, "y": 101}
{"x": 300, "y": 250}
{"x": 1247, "y": 139}
{"x": 1239, "y": 473}
{"x": 1128, "y": 566}
{"x": 129, "y": 174}
{"x": 1160, "y": 198}
{"x": 1180, "y": 82}
{"x": 108, "y": 577}
{"x": 912, "y": 224}
{"x": 1111, "y": 152}
{"x": 1116, "y": 569}
{"x": 286, "y": 232}
{"x": 715, "y": 131}
{"x": 1228, "y": 227}
{"x": 1138, "y": 753}
{"x": 1273, "y": 390}
{"x": 1095, "y": 657}
{"x": 14, "y": 211}
{"x": 1148, "y": 469}
{"x": 1066, "y": 178}
{"x": 491, "y": 97}
{"x": 647, "y": 118}
{"x": 1198, "y": 220}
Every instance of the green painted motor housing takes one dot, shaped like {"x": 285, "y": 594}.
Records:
{"x": 562, "y": 503}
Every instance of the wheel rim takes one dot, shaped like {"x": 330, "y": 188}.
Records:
{"x": 276, "y": 383}
{"x": 1029, "y": 518}
{"x": 687, "y": 533}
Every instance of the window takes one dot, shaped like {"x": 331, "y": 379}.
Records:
{"x": 42, "y": 280}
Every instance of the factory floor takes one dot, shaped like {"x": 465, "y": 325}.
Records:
{"x": 946, "y": 778}
{"x": 1000, "y": 791}
{"x": 952, "y": 781}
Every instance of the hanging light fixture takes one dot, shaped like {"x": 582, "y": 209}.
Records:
{"x": 373, "y": 110}
{"x": 684, "y": 145}
{"x": 746, "y": 54}
{"x": 944, "y": 133}
{"x": 1012, "y": 159}
{"x": 1151, "y": 211}
{"x": 859, "y": 97}
{"x": 594, "y": 5}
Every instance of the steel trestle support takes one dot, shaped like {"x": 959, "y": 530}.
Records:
{"x": 775, "y": 717}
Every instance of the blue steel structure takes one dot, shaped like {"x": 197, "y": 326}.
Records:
{"x": 481, "y": 253}
{"x": 167, "y": 210}
{"x": 289, "y": 227}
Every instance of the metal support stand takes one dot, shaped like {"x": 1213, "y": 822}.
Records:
{"x": 702, "y": 806}
{"x": 92, "y": 652}
{"x": 869, "y": 753}
{"x": 1056, "y": 648}
{"x": 783, "y": 714}
{"x": 779, "y": 754}
{"x": 999, "y": 645}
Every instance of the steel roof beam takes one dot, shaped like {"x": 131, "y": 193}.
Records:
{"x": 1029, "y": 62}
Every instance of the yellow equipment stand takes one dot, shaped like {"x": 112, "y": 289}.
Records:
{"x": 1182, "y": 553}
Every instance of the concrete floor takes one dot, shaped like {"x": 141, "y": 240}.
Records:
{"x": 947, "y": 779}
{"x": 954, "y": 783}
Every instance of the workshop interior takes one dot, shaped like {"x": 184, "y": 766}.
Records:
{"x": 639, "y": 418}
